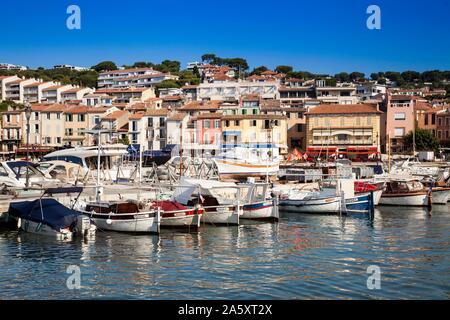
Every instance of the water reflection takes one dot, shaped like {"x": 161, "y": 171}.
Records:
{"x": 302, "y": 256}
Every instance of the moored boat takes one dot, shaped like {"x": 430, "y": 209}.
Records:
{"x": 405, "y": 192}
{"x": 50, "y": 218}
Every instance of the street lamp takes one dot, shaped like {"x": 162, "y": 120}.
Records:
{"x": 28, "y": 116}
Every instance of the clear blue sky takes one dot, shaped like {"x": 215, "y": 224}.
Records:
{"x": 326, "y": 36}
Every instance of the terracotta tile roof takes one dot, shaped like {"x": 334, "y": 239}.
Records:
{"x": 402, "y": 97}
{"x": 115, "y": 115}
{"x": 254, "y": 117}
{"x": 197, "y": 105}
{"x": 157, "y": 112}
{"x": 343, "y": 109}
{"x": 210, "y": 116}
{"x": 74, "y": 90}
{"x": 39, "y": 107}
{"x": 136, "y": 116}
{"x": 33, "y": 84}
{"x": 423, "y": 106}
{"x": 251, "y": 97}
{"x": 17, "y": 81}
{"x": 52, "y": 88}
{"x": 222, "y": 77}
{"x": 100, "y": 91}
{"x": 86, "y": 109}
{"x": 5, "y": 77}
{"x": 56, "y": 108}
{"x": 176, "y": 117}
{"x": 172, "y": 98}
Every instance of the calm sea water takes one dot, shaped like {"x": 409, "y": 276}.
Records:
{"x": 301, "y": 257}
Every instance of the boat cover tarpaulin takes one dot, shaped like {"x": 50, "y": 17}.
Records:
{"x": 169, "y": 205}
{"x": 46, "y": 211}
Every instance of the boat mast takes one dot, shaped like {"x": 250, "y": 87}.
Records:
{"x": 98, "y": 166}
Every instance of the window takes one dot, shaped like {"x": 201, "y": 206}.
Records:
{"x": 58, "y": 116}
{"x": 237, "y": 123}
{"x": 81, "y": 117}
{"x": 48, "y": 140}
{"x": 433, "y": 118}
{"x": 58, "y": 140}
{"x": 399, "y": 116}
{"x": 299, "y": 127}
{"x": 69, "y": 132}
{"x": 399, "y": 132}
{"x": 253, "y": 123}
{"x": 48, "y": 116}
{"x": 227, "y": 123}
{"x": 426, "y": 119}
{"x": 369, "y": 120}
{"x": 216, "y": 124}
{"x": 150, "y": 122}
{"x": 134, "y": 125}
{"x": 36, "y": 128}
{"x": 36, "y": 115}
{"x": 206, "y": 124}
{"x": 162, "y": 122}
{"x": 96, "y": 120}
{"x": 69, "y": 117}
{"x": 8, "y": 118}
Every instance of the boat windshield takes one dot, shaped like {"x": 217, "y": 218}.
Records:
{"x": 21, "y": 172}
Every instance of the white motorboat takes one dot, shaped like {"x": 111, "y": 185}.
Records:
{"x": 249, "y": 162}
{"x": 320, "y": 201}
{"x": 111, "y": 166}
{"x": 50, "y": 218}
{"x": 258, "y": 205}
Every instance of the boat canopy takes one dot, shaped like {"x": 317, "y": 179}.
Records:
{"x": 46, "y": 211}
{"x": 189, "y": 187}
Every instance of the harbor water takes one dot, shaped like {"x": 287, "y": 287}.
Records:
{"x": 300, "y": 257}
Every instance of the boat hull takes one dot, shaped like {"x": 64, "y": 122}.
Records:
{"x": 414, "y": 199}
{"x": 440, "y": 195}
{"x": 232, "y": 168}
{"x": 260, "y": 210}
{"x": 361, "y": 203}
{"x": 138, "y": 225}
{"x": 182, "y": 221}
{"x": 324, "y": 205}
{"x": 44, "y": 230}
{"x": 222, "y": 216}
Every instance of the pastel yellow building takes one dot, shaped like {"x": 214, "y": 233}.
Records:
{"x": 343, "y": 129}
{"x": 255, "y": 129}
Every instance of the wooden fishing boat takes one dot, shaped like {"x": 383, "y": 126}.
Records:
{"x": 405, "y": 192}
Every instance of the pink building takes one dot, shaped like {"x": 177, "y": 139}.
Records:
{"x": 209, "y": 130}
{"x": 397, "y": 121}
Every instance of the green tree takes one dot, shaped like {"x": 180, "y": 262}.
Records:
{"x": 258, "y": 70}
{"x": 284, "y": 69}
{"x": 425, "y": 140}
{"x": 104, "y": 66}
{"x": 208, "y": 57}
{"x": 356, "y": 76}
{"x": 411, "y": 76}
{"x": 124, "y": 140}
{"x": 342, "y": 77}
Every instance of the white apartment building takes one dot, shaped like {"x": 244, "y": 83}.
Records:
{"x": 3, "y": 81}
{"x": 9, "y": 66}
{"x": 75, "y": 94}
{"x": 129, "y": 95}
{"x": 14, "y": 90}
{"x": 149, "y": 129}
{"x": 136, "y": 77}
{"x": 68, "y": 66}
{"x": 33, "y": 92}
{"x": 97, "y": 99}
{"x": 337, "y": 95}
{"x": 234, "y": 90}
{"x": 52, "y": 94}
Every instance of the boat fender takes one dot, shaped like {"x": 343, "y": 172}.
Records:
{"x": 19, "y": 223}
{"x": 108, "y": 221}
